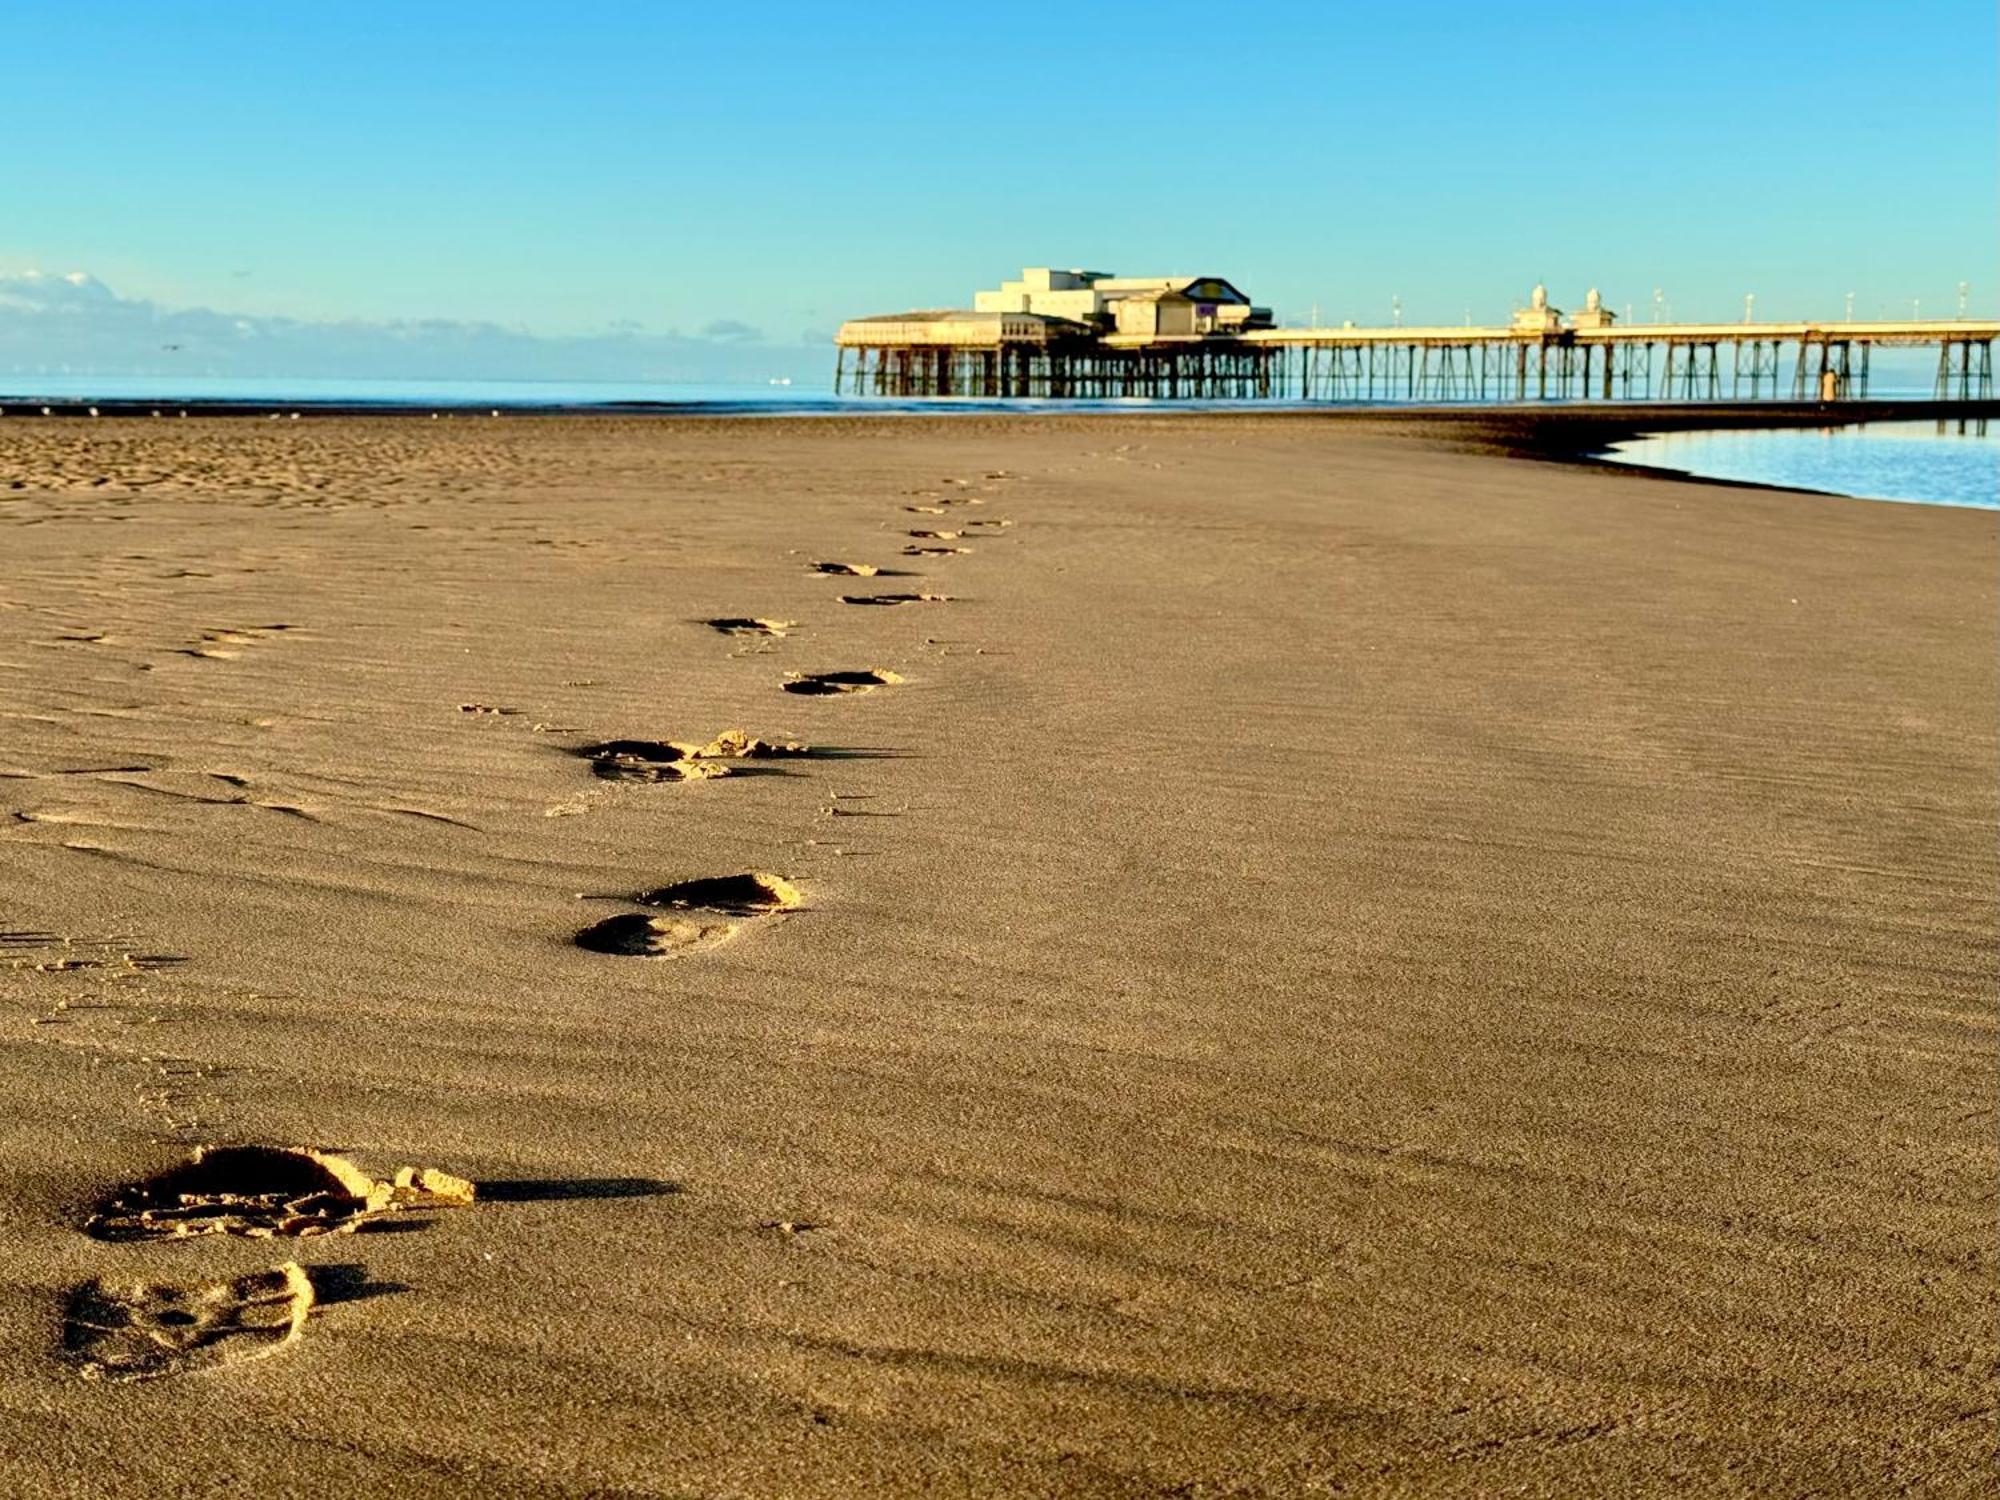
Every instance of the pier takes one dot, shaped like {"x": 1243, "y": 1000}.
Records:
{"x": 1081, "y": 335}
{"x": 1643, "y": 362}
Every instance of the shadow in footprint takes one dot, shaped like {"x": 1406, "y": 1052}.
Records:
{"x": 634, "y": 934}
{"x": 567, "y": 1189}
{"x": 893, "y": 599}
{"x": 747, "y": 625}
{"x": 747, "y": 895}
{"x": 822, "y": 684}
{"x": 861, "y": 570}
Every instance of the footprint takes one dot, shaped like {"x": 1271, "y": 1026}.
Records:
{"x": 675, "y": 760}
{"x": 847, "y": 570}
{"x": 748, "y": 626}
{"x": 925, "y": 510}
{"x": 649, "y": 760}
{"x": 704, "y": 916}
{"x": 935, "y": 551}
{"x": 261, "y": 1192}
{"x": 895, "y": 598}
{"x": 822, "y": 684}
{"x": 939, "y": 536}
{"x": 225, "y": 645}
{"x": 143, "y": 1330}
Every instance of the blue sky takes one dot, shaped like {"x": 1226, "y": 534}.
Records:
{"x": 721, "y": 178}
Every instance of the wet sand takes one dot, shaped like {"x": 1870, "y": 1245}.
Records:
{"x": 1331, "y": 963}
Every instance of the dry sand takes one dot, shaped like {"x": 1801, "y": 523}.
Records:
{"x": 1330, "y": 964}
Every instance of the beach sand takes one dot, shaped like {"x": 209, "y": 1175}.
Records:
{"x": 1332, "y": 963}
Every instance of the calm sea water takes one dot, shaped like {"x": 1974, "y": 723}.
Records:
{"x": 1928, "y": 463}
{"x": 24, "y": 389}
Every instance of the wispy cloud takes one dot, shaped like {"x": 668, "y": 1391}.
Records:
{"x": 76, "y": 324}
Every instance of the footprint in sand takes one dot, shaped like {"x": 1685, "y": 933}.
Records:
{"x": 731, "y": 625}
{"x": 226, "y": 645}
{"x": 892, "y": 599}
{"x": 142, "y": 1330}
{"x": 824, "y": 684}
{"x": 675, "y": 760}
{"x": 937, "y": 536}
{"x": 264, "y": 1192}
{"x": 649, "y": 760}
{"x": 914, "y": 551}
{"x": 847, "y": 570}
{"x": 701, "y": 914}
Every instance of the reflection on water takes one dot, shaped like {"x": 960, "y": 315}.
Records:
{"x": 1928, "y": 463}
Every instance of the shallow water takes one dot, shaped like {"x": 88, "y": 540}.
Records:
{"x": 1926, "y": 463}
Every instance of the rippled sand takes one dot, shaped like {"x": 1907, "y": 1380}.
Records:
{"x": 1326, "y": 962}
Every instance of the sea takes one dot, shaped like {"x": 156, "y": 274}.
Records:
{"x": 1922, "y": 463}
{"x": 1925, "y": 463}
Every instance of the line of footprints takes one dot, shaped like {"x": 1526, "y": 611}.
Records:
{"x": 693, "y": 916}
{"x": 136, "y": 1329}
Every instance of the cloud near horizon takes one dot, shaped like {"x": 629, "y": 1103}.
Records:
{"x": 74, "y": 324}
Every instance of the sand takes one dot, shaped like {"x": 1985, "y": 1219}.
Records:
{"x": 1332, "y": 962}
